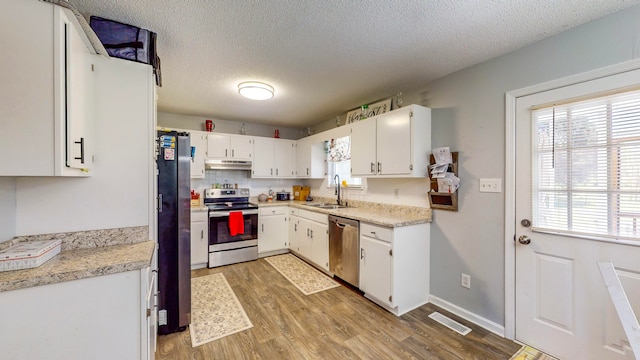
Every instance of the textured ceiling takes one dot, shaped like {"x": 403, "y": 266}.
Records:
{"x": 325, "y": 57}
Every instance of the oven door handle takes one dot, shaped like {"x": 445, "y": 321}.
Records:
{"x": 226, "y": 213}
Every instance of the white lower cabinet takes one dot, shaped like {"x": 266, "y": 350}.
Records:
{"x": 103, "y": 317}
{"x": 394, "y": 266}
{"x": 273, "y": 230}
{"x": 294, "y": 224}
{"x": 311, "y": 237}
{"x": 199, "y": 239}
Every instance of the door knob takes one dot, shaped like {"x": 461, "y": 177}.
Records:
{"x": 524, "y": 240}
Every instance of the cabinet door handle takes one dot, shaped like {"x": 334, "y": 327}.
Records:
{"x": 81, "y": 142}
{"x": 379, "y": 168}
{"x": 233, "y": 152}
{"x": 226, "y": 152}
{"x": 271, "y": 171}
{"x": 307, "y": 171}
{"x": 276, "y": 172}
{"x": 295, "y": 227}
{"x": 372, "y": 170}
{"x": 312, "y": 234}
{"x": 307, "y": 232}
{"x": 361, "y": 253}
{"x": 262, "y": 227}
{"x": 201, "y": 234}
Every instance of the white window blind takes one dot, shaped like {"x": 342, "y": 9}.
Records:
{"x": 586, "y": 167}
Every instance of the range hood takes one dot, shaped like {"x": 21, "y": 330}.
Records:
{"x": 210, "y": 164}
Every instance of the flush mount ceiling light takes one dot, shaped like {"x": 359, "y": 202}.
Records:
{"x": 255, "y": 90}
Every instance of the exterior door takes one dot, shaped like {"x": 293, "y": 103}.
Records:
{"x": 562, "y": 304}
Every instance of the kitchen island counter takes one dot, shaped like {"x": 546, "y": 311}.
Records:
{"x": 81, "y": 262}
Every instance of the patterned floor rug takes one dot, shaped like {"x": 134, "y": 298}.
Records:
{"x": 215, "y": 310}
{"x": 529, "y": 353}
{"x": 302, "y": 275}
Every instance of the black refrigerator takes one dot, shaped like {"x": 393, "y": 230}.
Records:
{"x": 174, "y": 227}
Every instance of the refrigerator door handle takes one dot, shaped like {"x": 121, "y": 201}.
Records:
{"x": 159, "y": 203}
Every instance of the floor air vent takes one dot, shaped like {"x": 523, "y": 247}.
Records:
{"x": 451, "y": 324}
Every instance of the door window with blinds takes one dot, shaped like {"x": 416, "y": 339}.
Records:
{"x": 586, "y": 167}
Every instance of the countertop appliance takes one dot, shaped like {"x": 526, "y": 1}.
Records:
{"x": 174, "y": 227}
{"x": 344, "y": 249}
{"x": 225, "y": 247}
{"x": 283, "y": 196}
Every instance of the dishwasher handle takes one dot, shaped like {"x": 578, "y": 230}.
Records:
{"x": 342, "y": 226}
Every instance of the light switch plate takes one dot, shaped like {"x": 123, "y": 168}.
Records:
{"x": 491, "y": 185}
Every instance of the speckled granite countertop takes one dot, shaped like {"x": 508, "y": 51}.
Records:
{"x": 374, "y": 213}
{"x": 79, "y": 262}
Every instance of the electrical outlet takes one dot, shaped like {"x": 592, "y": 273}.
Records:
{"x": 465, "y": 281}
{"x": 491, "y": 185}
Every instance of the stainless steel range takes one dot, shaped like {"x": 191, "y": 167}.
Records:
{"x": 233, "y": 226}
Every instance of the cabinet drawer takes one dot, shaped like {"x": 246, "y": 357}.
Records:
{"x": 315, "y": 216}
{"x": 376, "y": 232}
{"x": 199, "y": 216}
{"x": 273, "y": 210}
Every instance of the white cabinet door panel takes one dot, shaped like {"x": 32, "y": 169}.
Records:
{"x": 262, "y": 164}
{"x": 375, "y": 269}
{"x": 363, "y": 148}
{"x": 241, "y": 147}
{"x": 218, "y": 146}
{"x": 394, "y": 143}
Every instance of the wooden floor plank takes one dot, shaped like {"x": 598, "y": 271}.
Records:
{"x": 338, "y": 323}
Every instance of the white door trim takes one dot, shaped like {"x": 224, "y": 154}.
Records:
{"x": 510, "y": 175}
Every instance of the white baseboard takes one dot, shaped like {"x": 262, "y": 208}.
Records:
{"x": 468, "y": 315}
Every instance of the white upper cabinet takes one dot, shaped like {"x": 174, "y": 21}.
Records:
{"x": 263, "y": 162}
{"x": 229, "y": 147}
{"x": 273, "y": 158}
{"x": 394, "y": 144}
{"x": 310, "y": 159}
{"x": 199, "y": 142}
{"x": 285, "y": 158}
{"x": 47, "y": 97}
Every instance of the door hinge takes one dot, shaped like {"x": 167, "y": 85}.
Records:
{"x": 411, "y": 113}
{"x": 411, "y": 167}
{"x": 391, "y": 252}
{"x": 390, "y": 298}
{"x": 148, "y": 312}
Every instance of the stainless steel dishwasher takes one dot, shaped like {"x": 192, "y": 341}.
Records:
{"x": 344, "y": 249}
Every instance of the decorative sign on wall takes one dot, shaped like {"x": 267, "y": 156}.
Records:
{"x": 378, "y": 108}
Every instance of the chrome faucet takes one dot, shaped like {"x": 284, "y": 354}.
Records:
{"x": 337, "y": 187}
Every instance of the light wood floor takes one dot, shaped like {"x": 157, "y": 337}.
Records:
{"x": 334, "y": 324}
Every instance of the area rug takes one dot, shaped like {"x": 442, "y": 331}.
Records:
{"x": 215, "y": 310}
{"x": 529, "y": 353}
{"x": 302, "y": 275}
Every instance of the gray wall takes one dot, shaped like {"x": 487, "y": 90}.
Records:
{"x": 469, "y": 116}
{"x": 179, "y": 121}
{"x": 7, "y": 208}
